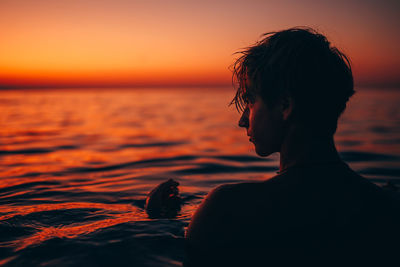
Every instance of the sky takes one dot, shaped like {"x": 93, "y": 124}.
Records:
{"x": 170, "y": 43}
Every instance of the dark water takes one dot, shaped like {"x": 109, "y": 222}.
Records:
{"x": 75, "y": 167}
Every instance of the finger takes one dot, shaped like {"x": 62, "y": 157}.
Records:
{"x": 173, "y": 182}
{"x": 170, "y": 182}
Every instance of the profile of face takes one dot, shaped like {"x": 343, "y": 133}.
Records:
{"x": 264, "y": 126}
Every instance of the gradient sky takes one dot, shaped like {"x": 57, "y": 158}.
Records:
{"x": 119, "y": 42}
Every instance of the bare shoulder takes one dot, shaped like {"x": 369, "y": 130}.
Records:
{"x": 211, "y": 215}
{"x": 224, "y": 207}
{"x": 206, "y": 219}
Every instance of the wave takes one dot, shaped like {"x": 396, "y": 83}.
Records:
{"x": 358, "y": 156}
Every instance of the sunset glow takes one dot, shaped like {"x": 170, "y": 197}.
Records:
{"x": 134, "y": 43}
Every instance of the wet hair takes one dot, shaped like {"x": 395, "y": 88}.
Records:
{"x": 300, "y": 63}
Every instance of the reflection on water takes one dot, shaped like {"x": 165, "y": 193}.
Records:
{"x": 75, "y": 167}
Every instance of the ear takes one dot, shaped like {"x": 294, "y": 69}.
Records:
{"x": 287, "y": 106}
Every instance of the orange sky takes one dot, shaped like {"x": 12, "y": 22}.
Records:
{"x": 121, "y": 42}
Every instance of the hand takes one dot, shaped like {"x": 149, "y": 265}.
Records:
{"x": 164, "y": 200}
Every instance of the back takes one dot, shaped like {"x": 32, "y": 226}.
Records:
{"x": 320, "y": 215}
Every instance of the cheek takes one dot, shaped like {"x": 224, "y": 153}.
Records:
{"x": 254, "y": 122}
{"x": 258, "y": 121}
{"x": 258, "y": 130}
{"x": 262, "y": 129}
{"x": 268, "y": 132}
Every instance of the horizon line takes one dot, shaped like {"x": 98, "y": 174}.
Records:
{"x": 159, "y": 85}
{"x": 106, "y": 85}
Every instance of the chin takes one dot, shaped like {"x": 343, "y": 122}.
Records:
{"x": 263, "y": 152}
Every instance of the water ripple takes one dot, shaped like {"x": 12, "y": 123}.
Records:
{"x": 38, "y": 150}
{"x": 358, "y": 156}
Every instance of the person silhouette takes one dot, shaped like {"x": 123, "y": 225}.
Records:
{"x": 292, "y": 86}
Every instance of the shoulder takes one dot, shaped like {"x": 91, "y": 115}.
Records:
{"x": 210, "y": 227}
{"x": 216, "y": 211}
{"x": 208, "y": 214}
{"x": 231, "y": 215}
{"x": 226, "y": 206}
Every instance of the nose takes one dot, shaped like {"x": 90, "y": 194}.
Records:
{"x": 244, "y": 119}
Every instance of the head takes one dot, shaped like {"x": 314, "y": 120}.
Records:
{"x": 290, "y": 78}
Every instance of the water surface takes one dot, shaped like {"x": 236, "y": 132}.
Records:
{"x": 76, "y": 165}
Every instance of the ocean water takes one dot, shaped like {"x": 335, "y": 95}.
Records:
{"x": 76, "y": 165}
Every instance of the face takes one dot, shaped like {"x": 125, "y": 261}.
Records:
{"x": 264, "y": 126}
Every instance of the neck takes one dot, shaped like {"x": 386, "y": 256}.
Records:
{"x": 302, "y": 146}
